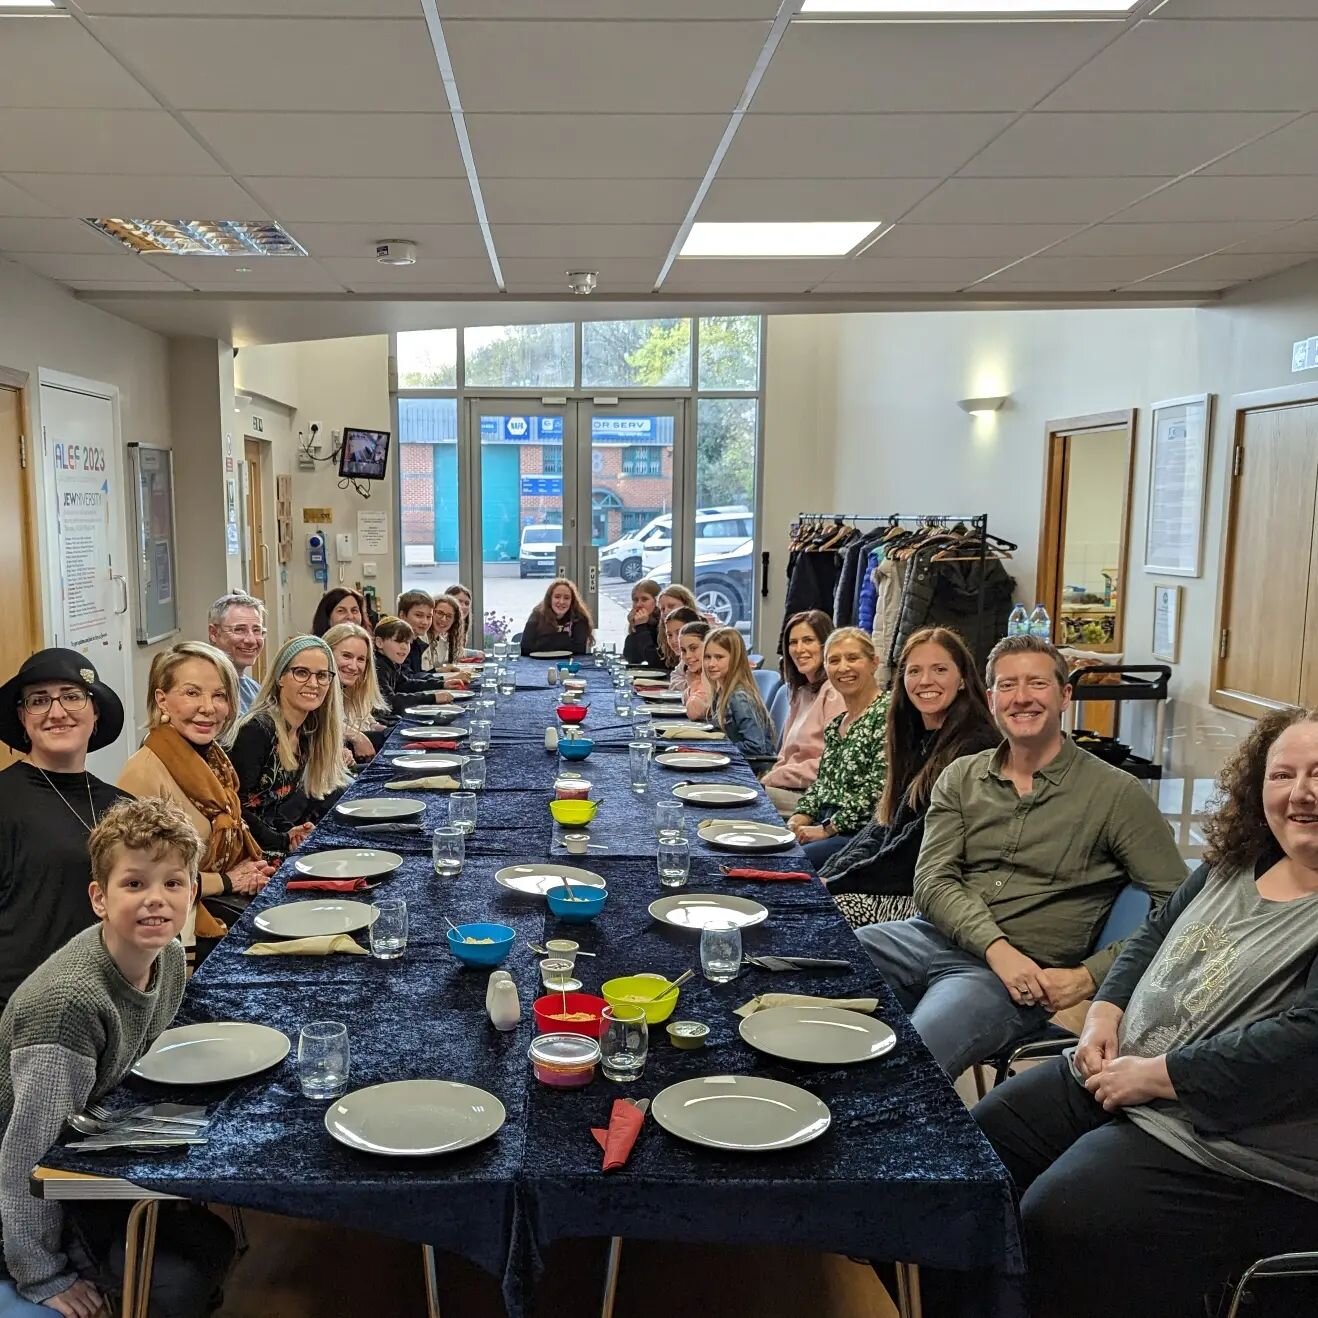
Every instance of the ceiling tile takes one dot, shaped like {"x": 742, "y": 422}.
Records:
{"x": 1026, "y": 201}
{"x": 1238, "y": 9}
{"x": 329, "y": 145}
{"x": 282, "y": 64}
{"x": 246, "y": 8}
{"x": 17, "y": 201}
{"x": 54, "y": 236}
{"x": 121, "y": 286}
{"x": 1072, "y": 271}
{"x": 1238, "y": 268}
{"x": 127, "y": 267}
{"x": 591, "y": 146}
{"x": 715, "y": 276}
{"x": 451, "y": 241}
{"x": 1175, "y": 287}
{"x": 1115, "y": 145}
{"x": 1010, "y": 282}
{"x": 811, "y": 199}
{"x": 357, "y": 272}
{"x": 143, "y": 196}
{"x": 1302, "y": 237}
{"x": 609, "y": 9}
{"x": 579, "y": 244}
{"x": 99, "y": 141}
{"x": 390, "y": 291}
{"x": 565, "y": 201}
{"x": 1199, "y": 66}
{"x": 1186, "y": 239}
{"x": 48, "y": 62}
{"x": 1290, "y": 150}
{"x": 1221, "y": 199}
{"x": 600, "y": 68}
{"x": 852, "y": 283}
{"x": 292, "y": 274}
{"x": 973, "y": 240}
{"x": 857, "y": 145}
{"x": 619, "y": 274}
{"x": 840, "y": 67}
{"x": 385, "y": 202}
{"x": 959, "y": 270}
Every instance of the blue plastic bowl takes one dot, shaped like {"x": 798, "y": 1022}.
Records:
{"x": 576, "y": 748}
{"x": 481, "y": 954}
{"x": 572, "y": 666}
{"x": 582, "y": 911}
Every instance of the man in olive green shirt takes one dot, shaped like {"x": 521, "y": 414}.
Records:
{"x": 1025, "y": 849}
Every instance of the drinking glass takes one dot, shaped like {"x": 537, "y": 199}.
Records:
{"x": 673, "y": 858}
{"x": 642, "y": 723}
{"x": 323, "y": 1059}
{"x": 555, "y": 972}
{"x": 720, "y": 952}
{"x": 448, "y": 851}
{"x": 462, "y": 812}
{"x": 501, "y": 649}
{"x": 389, "y": 931}
{"x": 486, "y": 705}
{"x": 624, "y": 1042}
{"x": 622, "y": 702}
{"x": 473, "y": 771}
{"x": 638, "y": 765}
{"x": 506, "y": 682}
{"x": 669, "y": 819}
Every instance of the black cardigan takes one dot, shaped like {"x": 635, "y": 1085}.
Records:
{"x": 641, "y": 647}
{"x": 399, "y": 688}
{"x": 543, "y": 632}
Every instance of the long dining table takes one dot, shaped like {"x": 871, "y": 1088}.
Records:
{"x": 901, "y": 1175}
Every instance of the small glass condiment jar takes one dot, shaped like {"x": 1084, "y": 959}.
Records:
{"x": 564, "y": 1061}
{"x": 687, "y": 1034}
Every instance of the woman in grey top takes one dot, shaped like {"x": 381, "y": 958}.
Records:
{"x": 1178, "y": 1142}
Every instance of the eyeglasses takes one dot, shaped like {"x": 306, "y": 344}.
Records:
{"x": 245, "y": 633}
{"x": 42, "y": 701}
{"x": 304, "y": 676}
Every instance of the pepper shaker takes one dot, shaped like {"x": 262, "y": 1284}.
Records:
{"x": 504, "y": 1004}
{"x": 551, "y": 739}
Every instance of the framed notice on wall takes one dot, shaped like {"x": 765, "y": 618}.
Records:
{"x": 1178, "y": 478}
{"x": 1167, "y": 623}
{"x": 152, "y": 481}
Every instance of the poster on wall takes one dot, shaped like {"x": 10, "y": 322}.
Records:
{"x": 1178, "y": 478}
{"x": 152, "y": 477}
{"x": 1167, "y": 623}
{"x": 372, "y": 533}
{"x": 82, "y": 528}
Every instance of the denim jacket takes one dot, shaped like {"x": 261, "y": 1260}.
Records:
{"x": 747, "y": 729}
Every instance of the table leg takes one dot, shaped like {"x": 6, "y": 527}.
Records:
{"x": 432, "y": 1281}
{"x": 611, "y": 1277}
{"x": 908, "y": 1290}
{"x": 139, "y": 1257}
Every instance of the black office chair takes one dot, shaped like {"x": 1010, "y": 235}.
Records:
{"x": 1277, "y": 1267}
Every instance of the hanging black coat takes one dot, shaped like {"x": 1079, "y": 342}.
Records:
{"x": 947, "y": 594}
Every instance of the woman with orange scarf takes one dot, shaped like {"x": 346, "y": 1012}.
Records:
{"x": 193, "y": 693}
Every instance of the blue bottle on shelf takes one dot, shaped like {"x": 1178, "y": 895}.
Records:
{"x": 1041, "y": 624}
{"x": 1018, "y": 622}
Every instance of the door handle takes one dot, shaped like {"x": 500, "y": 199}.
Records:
{"x": 121, "y": 581}
{"x": 265, "y": 563}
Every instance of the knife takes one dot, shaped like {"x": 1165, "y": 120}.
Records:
{"x": 390, "y": 828}
{"x": 171, "y": 1142}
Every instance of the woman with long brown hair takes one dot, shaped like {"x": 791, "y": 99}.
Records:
{"x": 561, "y": 621}
{"x": 939, "y": 712}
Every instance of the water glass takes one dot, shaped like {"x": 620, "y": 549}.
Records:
{"x": 622, "y": 702}
{"x": 486, "y": 706}
{"x": 462, "y": 812}
{"x": 389, "y": 931}
{"x": 674, "y": 861}
{"x": 669, "y": 819}
{"x": 638, "y": 765}
{"x": 720, "y": 952}
{"x": 507, "y": 683}
{"x": 556, "y": 972}
{"x": 448, "y": 850}
{"x": 323, "y": 1059}
{"x": 624, "y": 1042}
{"x": 473, "y": 772}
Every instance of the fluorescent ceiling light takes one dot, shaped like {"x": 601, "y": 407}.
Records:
{"x": 771, "y": 239}
{"x": 962, "y": 8}
{"x": 202, "y": 237}
{"x": 31, "y": 6}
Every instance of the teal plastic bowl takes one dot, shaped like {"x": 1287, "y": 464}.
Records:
{"x": 589, "y": 903}
{"x": 481, "y": 954}
{"x": 575, "y": 748}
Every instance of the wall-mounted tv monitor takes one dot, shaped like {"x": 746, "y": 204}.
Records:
{"x": 364, "y": 455}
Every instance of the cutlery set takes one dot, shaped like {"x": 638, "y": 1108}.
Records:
{"x": 149, "y": 1126}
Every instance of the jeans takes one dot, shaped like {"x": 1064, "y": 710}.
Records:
{"x": 13, "y": 1305}
{"x": 958, "y": 1006}
{"x": 1116, "y": 1222}
{"x": 818, "y": 852}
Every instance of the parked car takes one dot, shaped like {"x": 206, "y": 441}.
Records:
{"x": 638, "y": 553}
{"x": 724, "y": 583}
{"x": 539, "y": 551}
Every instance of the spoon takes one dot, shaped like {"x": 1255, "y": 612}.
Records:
{"x": 670, "y": 988}
{"x": 540, "y": 951}
{"x": 452, "y": 926}
{"x": 89, "y": 1125}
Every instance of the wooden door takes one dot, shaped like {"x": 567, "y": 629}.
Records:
{"x": 1267, "y": 574}
{"x": 18, "y": 563}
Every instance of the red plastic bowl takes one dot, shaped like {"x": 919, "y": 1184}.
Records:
{"x": 572, "y": 713}
{"x": 543, "y": 1008}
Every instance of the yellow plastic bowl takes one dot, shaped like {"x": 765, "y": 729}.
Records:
{"x": 573, "y": 814}
{"x": 628, "y": 990}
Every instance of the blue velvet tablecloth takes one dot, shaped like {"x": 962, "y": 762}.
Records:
{"x": 902, "y": 1172}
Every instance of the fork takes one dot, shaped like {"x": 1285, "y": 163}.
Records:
{"x": 187, "y": 1114}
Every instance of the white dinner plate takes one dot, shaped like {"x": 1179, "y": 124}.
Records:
{"x": 379, "y": 809}
{"x": 698, "y": 910}
{"x": 439, "y": 760}
{"x": 352, "y": 862}
{"x": 551, "y": 654}
{"x": 414, "y": 1118}
{"x": 435, "y": 734}
{"x": 716, "y": 794}
{"x": 314, "y": 919}
{"x": 693, "y": 760}
{"x": 827, "y": 1036}
{"x": 536, "y": 880}
{"x": 435, "y": 713}
{"x": 672, "y": 725}
{"x": 745, "y": 1113}
{"x": 662, "y": 697}
{"x": 459, "y": 695}
{"x": 648, "y": 674}
{"x": 210, "y": 1054}
{"x": 749, "y": 837}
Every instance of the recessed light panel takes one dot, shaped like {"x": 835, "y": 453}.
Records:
{"x": 969, "y": 8}
{"x": 29, "y": 6}
{"x": 771, "y": 240}
{"x": 202, "y": 237}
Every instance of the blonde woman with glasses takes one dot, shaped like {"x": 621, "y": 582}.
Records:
{"x": 288, "y": 751}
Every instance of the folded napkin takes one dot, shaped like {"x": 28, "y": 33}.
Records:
{"x": 764, "y": 1001}
{"x": 322, "y": 946}
{"x": 676, "y": 732}
{"x": 625, "y": 1122}
{"x": 435, "y": 783}
{"x": 737, "y": 872}
{"x": 415, "y": 745}
{"x": 326, "y": 885}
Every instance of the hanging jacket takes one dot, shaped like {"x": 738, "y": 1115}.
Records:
{"x": 812, "y": 581}
{"x": 947, "y": 594}
{"x": 845, "y": 593}
{"x": 868, "y": 594}
{"x": 888, "y": 578}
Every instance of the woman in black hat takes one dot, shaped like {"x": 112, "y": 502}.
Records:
{"x": 54, "y": 711}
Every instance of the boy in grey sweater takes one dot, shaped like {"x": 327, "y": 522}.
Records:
{"x": 71, "y": 1033}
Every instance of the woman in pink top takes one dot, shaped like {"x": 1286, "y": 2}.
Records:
{"x": 814, "y": 705}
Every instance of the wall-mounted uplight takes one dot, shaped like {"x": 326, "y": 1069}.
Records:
{"x": 982, "y": 406}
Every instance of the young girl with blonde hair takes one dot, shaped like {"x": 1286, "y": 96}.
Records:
{"x": 735, "y": 703}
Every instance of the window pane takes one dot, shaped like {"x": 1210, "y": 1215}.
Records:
{"x": 428, "y": 447}
{"x": 725, "y": 478}
{"x": 428, "y": 359}
{"x": 636, "y": 353}
{"x": 729, "y": 352}
{"x": 519, "y": 356}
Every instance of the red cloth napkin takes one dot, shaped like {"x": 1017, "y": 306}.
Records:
{"x": 326, "y": 885}
{"x": 625, "y": 1122}
{"x": 767, "y": 874}
{"x": 432, "y": 745}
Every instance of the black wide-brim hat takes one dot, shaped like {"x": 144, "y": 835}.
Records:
{"x": 59, "y": 665}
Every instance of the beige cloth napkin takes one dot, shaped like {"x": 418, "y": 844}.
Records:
{"x": 436, "y": 783}
{"x": 766, "y": 1000}
{"x": 322, "y": 946}
{"x": 676, "y": 732}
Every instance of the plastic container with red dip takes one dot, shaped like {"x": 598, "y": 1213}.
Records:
{"x": 564, "y": 1061}
{"x": 571, "y": 788}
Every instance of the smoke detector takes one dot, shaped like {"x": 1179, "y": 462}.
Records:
{"x": 582, "y": 282}
{"x": 395, "y": 251}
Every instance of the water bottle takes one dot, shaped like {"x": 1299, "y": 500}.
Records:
{"x": 1018, "y": 623}
{"x": 1041, "y": 625}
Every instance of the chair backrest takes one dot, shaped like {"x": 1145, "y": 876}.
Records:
{"x": 779, "y": 707}
{"x": 768, "y": 682}
{"x": 1128, "y": 912}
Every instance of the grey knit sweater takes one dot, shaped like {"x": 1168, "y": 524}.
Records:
{"x": 69, "y": 1035}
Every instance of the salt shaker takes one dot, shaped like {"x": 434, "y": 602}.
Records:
{"x": 551, "y": 675}
{"x": 494, "y": 978}
{"x": 504, "y": 1004}
{"x": 551, "y": 739}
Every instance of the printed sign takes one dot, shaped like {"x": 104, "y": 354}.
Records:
{"x": 82, "y": 495}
